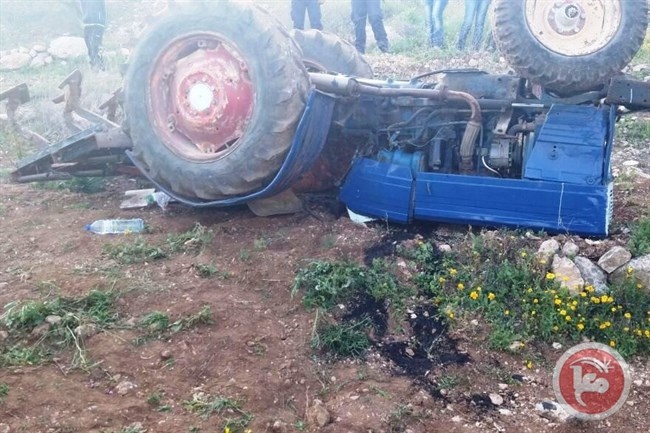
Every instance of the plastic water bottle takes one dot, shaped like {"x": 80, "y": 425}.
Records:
{"x": 117, "y": 226}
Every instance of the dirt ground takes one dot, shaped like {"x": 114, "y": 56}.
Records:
{"x": 257, "y": 349}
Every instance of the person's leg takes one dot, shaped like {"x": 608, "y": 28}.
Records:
{"x": 481, "y": 14}
{"x": 298, "y": 14}
{"x": 376, "y": 18}
{"x": 428, "y": 20}
{"x": 468, "y": 20}
{"x": 359, "y": 14}
{"x": 93, "y": 36}
{"x": 313, "y": 10}
{"x": 438, "y": 38}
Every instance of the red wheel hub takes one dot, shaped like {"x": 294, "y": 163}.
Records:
{"x": 201, "y": 96}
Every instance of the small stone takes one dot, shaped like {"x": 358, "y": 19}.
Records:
{"x": 444, "y": 248}
{"x": 638, "y": 268}
{"x": 86, "y": 330}
{"x": 557, "y": 346}
{"x": 496, "y": 399}
{"x": 614, "y": 259}
{"x": 40, "y": 330}
{"x": 53, "y": 320}
{"x": 592, "y": 274}
{"x": 473, "y": 63}
{"x": 39, "y": 48}
{"x": 67, "y": 47}
{"x": 505, "y": 412}
{"x": 4, "y": 428}
{"x": 3, "y": 335}
{"x": 409, "y": 352}
{"x": 503, "y": 386}
{"x": 630, "y": 163}
{"x": 457, "y": 418}
{"x": 354, "y": 397}
{"x": 165, "y": 355}
{"x": 124, "y": 387}
{"x": 516, "y": 346}
{"x": 551, "y": 411}
{"x": 570, "y": 249}
{"x": 14, "y": 61}
{"x": 318, "y": 414}
{"x": 279, "y": 427}
{"x": 548, "y": 248}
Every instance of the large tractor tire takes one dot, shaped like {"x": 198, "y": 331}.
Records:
{"x": 213, "y": 94}
{"x": 326, "y": 52}
{"x": 569, "y": 46}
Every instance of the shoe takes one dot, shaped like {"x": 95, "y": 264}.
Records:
{"x": 383, "y": 48}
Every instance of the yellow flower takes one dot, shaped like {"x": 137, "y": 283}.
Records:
{"x": 589, "y": 288}
{"x": 626, "y": 329}
{"x": 612, "y": 343}
{"x": 535, "y": 301}
{"x": 529, "y": 364}
{"x": 562, "y": 312}
{"x": 638, "y": 332}
{"x": 610, "y": 299}
{"x": 450, "y": 314}
{"x": 532, "y": 313}
{"x": 558, "y": 301}
{"x": 565, "y": 278}
{"x": 491, "y": 296}
{"x": 474, "y": 295}
{"x": 639, "y": 286}
{"x": 555, "y": 328}
{"x": 441, "y": 280}
{"x": 550, "y": 276}
{"x": 453, "y": 272}
{"x": 567, "y": 318}
{"x": 461, "y": 286}
{"x": 627, "y": 315}
{"x": 248, "y": 431}
{"x": 542, "y": 261}
{"x": 580, "y": 326}
{"x": 613, "y": 309}
{"x": 507, "y": 312}
{"x": 595, "y": 300}
{"x": 523, "y": 254}
{"x": 574, "y": 303}
{"x": 530, "y": 290}
{"x": 583, "y": 294}
{"x": 647, "y": 333}
{"x": 630, "y": 270}
{"x": 478, "y": 289}
{"x": 604, "y": 298}
{"x": 572, "y": 307}
{"x": 226, "y": 430}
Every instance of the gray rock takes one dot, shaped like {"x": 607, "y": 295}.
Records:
{"x": 53, "y": 320}
{"x": 505, "y": 412}
{"x": 496, "y": 399}
{"x": 23, "y": 50}
{"x": 444, "y": 248}
{"x": 318, "y": 414}
{"x": 14, "y": 61}
{"x": 39, "y": 60}
{"x": 551, "y": 411}
{"x": 640, "y": 268}
{"x": 124, "y": 387}
{"x": 614, "y": 259}
{"x": 67, "y": 47}
{"x": 570, "y": 249}
{"x": 32, "y": 53}
{"x": 548, "y": 248}
{"x": 39, "y": 48}
{"x": 568, "y": 274}
{"x": 279, "y": 427}
{"x": 592, "y": 274}
{"x": 40, "y": 330}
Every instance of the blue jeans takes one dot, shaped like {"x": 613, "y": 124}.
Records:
{"x": 370, "y": 10}
{"x": 298, "y": 9}
{"x": 433, "y": 18}
{"x": 475, "y": 13}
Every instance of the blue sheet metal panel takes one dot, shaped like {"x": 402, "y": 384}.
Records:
{"x": 571, "y": 146}
{"x": 379, "y": 190}
{"x": 307, "y": 144}
{"x": 551, "y": 206}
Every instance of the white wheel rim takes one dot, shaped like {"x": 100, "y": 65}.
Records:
{"x": 574, "y": 27}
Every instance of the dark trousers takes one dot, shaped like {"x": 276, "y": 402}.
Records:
{"x": 370, "y": 10}
{"x": 298, "y": 9}
{"x": 475, "y": 13}
{"x": 433, "y": 18}
{"x": 93, "y": 36}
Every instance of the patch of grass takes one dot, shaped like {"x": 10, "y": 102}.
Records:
{"x": 448, "y": 381}
{"x": 244, "y": 255}
{"x": 398, "y": 418}
{"x": 204, "y": 405}
{"x": 261, "y": 244}
{"x": 137, "y": 252}
{"x": 155, "y": 322}
{"x": 636, "y": 131}
{"x": 66, "y": 316}
{"x": 4, "y": 392}
{"x": 205, "y": 270}
{"x": 85, "y": 185}
{"x": 346, "y": 340}
{"x": 326, "y": 284}
{"x": 154, "y": 399}
{"x": 640, "y": 237}
{"x": 193, "y": 240}
{"x": 201, "y": 317}
{"x": 497, "y": 277}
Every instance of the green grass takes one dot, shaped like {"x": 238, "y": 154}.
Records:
{"x": 194, "y": 240}
{"x": 4, "y": 392}
{"x": 158, "y": 324}
{"x": 86, "y": 185}
{"x": 155, "y": 322}
{"x": 636, "y": 131}
{"x": 346, "y": 340}
{"x": 136, "y": 252}
{"x": 155, "y": 399}
{"x": 96, "y": 309}
{"x": 640, "y": 238}
{"x": 229, "y": 409}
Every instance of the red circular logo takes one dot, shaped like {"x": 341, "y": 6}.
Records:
{"x": 591, "y": 380}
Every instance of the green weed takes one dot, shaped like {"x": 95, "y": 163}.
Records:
{"x": 86, "y": 185}
{"x": 342, "y": 340}
{"x": 137, "y": 252}
{"x": 205, "y": 405}
{"x": 4, "y": 392}
{"x": 18, "y": 355}
{"x": 155, "y": 322}
{"x": 154, "y": 399}
{"x": 448, "y": 381}
{"x": 640, "y": 237}
{"x": 205, "y": 270}
{"x": 193, "y": 240}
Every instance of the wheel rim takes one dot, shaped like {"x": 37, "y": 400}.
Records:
{"x": 201, "y": 96}
{"x": 574, "y": 27}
